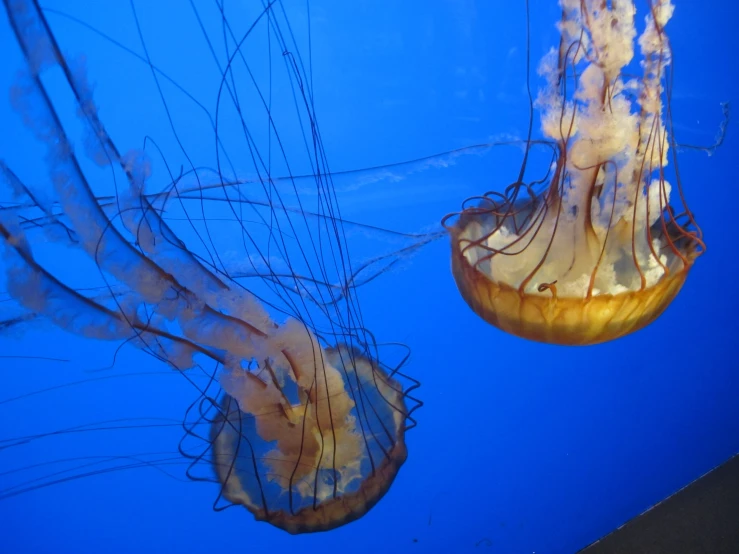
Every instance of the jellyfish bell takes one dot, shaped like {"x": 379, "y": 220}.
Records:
{"x": 302, "y": 452}
{"x": 606, "y": 246}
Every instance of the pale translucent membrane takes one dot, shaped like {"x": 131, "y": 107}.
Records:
{"x": 613, "y": 140}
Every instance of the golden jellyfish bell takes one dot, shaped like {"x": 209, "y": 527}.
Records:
{"x": 605, "y": 248}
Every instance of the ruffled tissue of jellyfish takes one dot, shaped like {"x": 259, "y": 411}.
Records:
{"x": 607, "y": 245}
{"x": 306, "y": 423}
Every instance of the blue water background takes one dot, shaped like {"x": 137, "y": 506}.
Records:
{"x": 521, "y": 447}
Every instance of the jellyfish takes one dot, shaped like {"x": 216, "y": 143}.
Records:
{"x": 305, "y": 420}
{"x": 601, "y": 246}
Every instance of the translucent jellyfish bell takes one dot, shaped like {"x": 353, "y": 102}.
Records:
{"x": 312, "y": 443}
{"x": 605, "y": 248}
